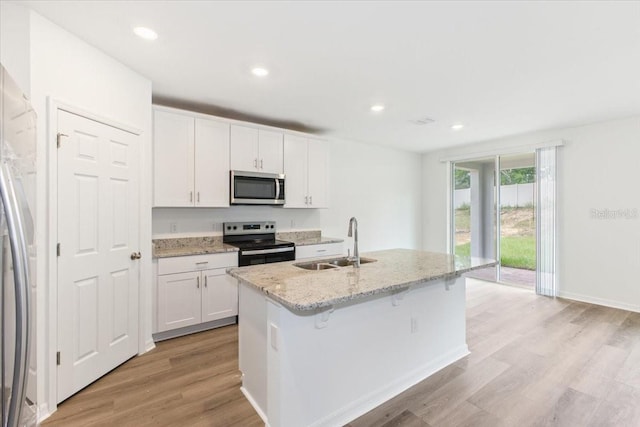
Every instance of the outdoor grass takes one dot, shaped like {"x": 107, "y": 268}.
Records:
{"x": 515, "y": 252}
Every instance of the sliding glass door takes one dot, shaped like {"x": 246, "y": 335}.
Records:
{"x": 474, "y": 212}
{"x": 517, "y": 219}
{"x": 503, "y": 207}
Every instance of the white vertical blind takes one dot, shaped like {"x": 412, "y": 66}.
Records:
{"x": 546, "y": 179}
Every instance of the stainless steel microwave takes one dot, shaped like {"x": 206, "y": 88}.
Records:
{"x": 256, "y": 188}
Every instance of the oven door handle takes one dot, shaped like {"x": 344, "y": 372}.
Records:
{"x": 268, "y": 251}
{"x": 277, "y": 189}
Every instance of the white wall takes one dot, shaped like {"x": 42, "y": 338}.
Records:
{"x": 379, "y": 186}
{"x": 14, "y": 43}
{"x": 599, "y": 259}
{"x": 65, "y": 68}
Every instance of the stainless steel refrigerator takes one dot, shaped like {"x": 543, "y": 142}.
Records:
{"x": 17, "y": 254}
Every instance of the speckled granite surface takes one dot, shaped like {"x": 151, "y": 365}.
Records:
{"x": 394, "y": 269}
{"x": 305, "y": 238}
{"x": 183, "y": 246}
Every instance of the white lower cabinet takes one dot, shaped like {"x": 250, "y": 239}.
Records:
{"x": 195, "y": 289}
{"x": 324, "y": 249}
{"x": 219, "y": 295}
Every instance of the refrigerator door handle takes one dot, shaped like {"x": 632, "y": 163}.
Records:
{"x": 15, "y": 227}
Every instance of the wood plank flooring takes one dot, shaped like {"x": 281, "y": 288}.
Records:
{"x": 534, "y": 361}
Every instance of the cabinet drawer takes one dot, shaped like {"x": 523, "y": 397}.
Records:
{"x": 311, "y": 251}
{"x": 197, "y": 262}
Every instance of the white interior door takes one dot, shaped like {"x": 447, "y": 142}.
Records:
{"x": 98, "y": 213}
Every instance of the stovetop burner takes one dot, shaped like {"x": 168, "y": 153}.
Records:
{"x": 257, "y": 242}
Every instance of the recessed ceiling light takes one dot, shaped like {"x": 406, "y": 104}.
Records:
{"x": 260, "y": 72}
{"x": 145, "y": 33}
{"x": 377, "y": 108}
{"x": 457, "y": 126}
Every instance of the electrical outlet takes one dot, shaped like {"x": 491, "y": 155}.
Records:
{"x": 274, "y": 337}
{"x": 414, "y": 325}
{"x": 173, "y": 227}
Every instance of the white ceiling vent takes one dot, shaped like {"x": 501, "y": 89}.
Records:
{"x": 422, "y": 121}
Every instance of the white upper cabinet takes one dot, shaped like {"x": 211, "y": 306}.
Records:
{"x": 306, "y": 166}
{"x": 318, "y": 177}
{"x": 256, "y": 150}
{"x": 173, "y": 161}
{"x": 211, "y": 163}
{"x": 191, "y": 161}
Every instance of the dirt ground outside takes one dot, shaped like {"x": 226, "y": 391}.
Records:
{"x": 515, "y": 222}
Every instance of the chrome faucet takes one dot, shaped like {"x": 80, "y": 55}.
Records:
{"x": 353, "y": 225}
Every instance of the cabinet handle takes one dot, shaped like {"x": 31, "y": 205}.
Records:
{"x": 261, "y": 162}
{"x": 205, "y": 281}
{"x": 198, "y": 282}
{"x": 255, "y": 163}
{"x": 306, "y": 200}
{"x": 190, "y": 196}
{"x": 198, "y": 197}
{"x": 310, "y": 200}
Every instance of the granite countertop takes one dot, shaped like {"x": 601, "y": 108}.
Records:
{"x": 305, "y": 238}
{"x": 184, "y": 246}
{"x": 395, "y": 269}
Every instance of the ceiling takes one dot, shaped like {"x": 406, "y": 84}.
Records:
{"x": 500, "y": 68}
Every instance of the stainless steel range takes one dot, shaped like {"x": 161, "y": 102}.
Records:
{"x": 257, "y": 242}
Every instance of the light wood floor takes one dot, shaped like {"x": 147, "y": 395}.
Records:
{"x": 534, "y": 361}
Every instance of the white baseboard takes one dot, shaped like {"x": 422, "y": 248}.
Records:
{"x": 376, "y": 398}
{"x": 255, "y": 405}
{"x": 43, "y": 412}
{"x": 600, "y": 301}
{"x": 149, "y": 345}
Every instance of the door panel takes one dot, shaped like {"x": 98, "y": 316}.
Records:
{"x": 219, "y": 295}
{"x": 318, "y": 174}
{"x": 173, "y": 161}
{"x": 98, "y": 214}
{"x": 212, "y": 163}
{"x": 295, "y": 170}
{"x": 244, "y": 148}
{"x": 270, "y": 151}
{"x": 178, "y": 300}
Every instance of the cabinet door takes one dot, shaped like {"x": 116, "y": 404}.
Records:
{"x": 270, "y": 151}
{"x": 244, "y": 148}
{"x": 219, "y": 295}
{"x": 178, "y": 300}
{"x": 318, "y": 174}
{"x": 295, "y": 170}
{"x": 211, "y": 163}
{"x": 173, "y": 145}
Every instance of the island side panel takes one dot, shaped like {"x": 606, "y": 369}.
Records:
{"x": 252, "y": 342}
{"x": 325, "y": 369}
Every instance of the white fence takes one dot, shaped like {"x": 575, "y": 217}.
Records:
{"x": 516, "y": 195}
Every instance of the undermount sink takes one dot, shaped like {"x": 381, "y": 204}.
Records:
{"x": 328, "y": 264}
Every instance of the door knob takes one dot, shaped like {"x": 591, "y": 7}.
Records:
{"x": 136, "y": 255}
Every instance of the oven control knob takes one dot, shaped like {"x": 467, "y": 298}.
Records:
{"x": 235, "y": 227}
{"x": 228, "y": 227}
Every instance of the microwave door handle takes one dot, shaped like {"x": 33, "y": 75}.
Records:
{"x": 277, "y": 189}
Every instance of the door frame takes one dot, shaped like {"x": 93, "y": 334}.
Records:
{"x": 47, "y": 333}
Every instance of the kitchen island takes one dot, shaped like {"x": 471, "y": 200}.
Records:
{"x": 323, "y": 347}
